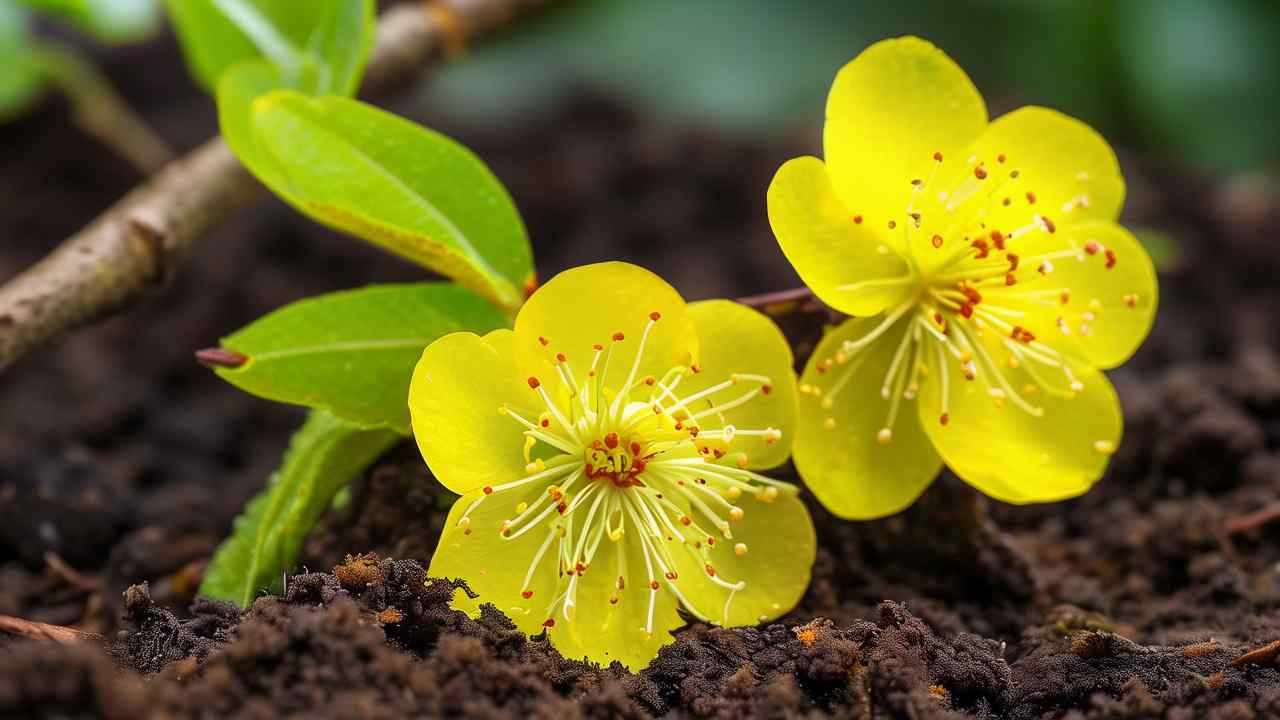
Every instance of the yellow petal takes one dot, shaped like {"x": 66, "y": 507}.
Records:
{"x": 1079, "y": 305}
{"x": 736, "y": 340}
{"x": 772, "y": 551}
{"x": 853, "y": 267}
{"x": 1069, "y": 170}
{"x": 590, "y": 305}
{"x": 1006, "y": 451}
{"x": 458, "y": 386}
{"x": 890, "y": 110}
{"x": 495, "y": 568}
{"x": 839, "y": 450}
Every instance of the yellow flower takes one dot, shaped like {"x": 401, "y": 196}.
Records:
{"x": 605, "y": 451}
{"x": 990, "y": 282}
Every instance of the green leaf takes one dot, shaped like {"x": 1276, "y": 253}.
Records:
{"x": 111, "y": 21}
{"x": 353, "y": 353}
{"x": 318, "y": 47}
{"x": 323, "y": 457}
{"x": 408, "y": 189}
{"x": 20, "y": 79}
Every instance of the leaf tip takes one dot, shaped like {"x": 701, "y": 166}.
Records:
{"x": 218, "y": 357}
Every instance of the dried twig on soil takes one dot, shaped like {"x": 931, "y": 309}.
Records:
{"x": 1254, "y": 520}
{"x": 138, "y": 243}
{"x": 42, "y": 631}
{"x": 1265, "y": 655}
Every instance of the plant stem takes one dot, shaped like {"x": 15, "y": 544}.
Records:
{"x": 99, "y": 110}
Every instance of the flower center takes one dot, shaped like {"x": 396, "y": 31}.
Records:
{"x": 981, "y": 297}
{"x": 636, "y": 464}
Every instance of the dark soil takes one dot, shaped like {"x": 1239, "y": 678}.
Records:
{"x": 123, "y": 462}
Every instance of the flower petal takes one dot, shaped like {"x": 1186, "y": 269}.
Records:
{"x": 1007, "y": 452}
{"x": 890, "y": 110}
{"x": 1069, "y": 169}
{"x": 851, "y": 266}
{"x": 459, "y": 384}
{"x": 837, "y": 450}
{"x": 587, "y": 306}
{"x": 1107, "y": 281}
{"x": 495, "y": 569}
{"x": 779, "y": 547}
{"x": 734, "y": 339}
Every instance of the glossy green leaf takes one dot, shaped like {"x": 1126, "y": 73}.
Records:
{"x": 352, "y": 353}
{"x": 110, "y": 21}
{"x": 408, "y": 189}
{"x": 319, "y": 46}
{"x": 19, "y": 78}
{"x": 323, "y": 457}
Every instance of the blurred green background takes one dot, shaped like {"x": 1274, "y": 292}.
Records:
{"x": 1195, "y": 81}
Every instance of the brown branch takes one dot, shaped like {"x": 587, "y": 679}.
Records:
{"x": 139, "y": 242}
{"x": 785, "y": 302}
{"x": 42, "y": 631}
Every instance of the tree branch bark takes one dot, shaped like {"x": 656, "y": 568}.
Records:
{"x": 139, "y": 242}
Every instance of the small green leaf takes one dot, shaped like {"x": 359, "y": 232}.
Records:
{"x": 408, "y": 189}
{"x": 352, "y": 353}
{"x": 318, "y": 47}
{"x": 20, "y": 79}
{"x": 323, "y": 457}
{"x": 111, "y": 21}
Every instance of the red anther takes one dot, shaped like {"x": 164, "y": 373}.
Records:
{"x": 1048, "y": 225}
{"x": 671, "y": 575}
{"x": 1065, "y": 297}
{"x": 917, "y": 182}
{"x": 937, "y": 317}
{"x": 579, "y": 568}
{"x": 711, "y": 570}
{"x": 526, "y": 594}
{"x": 1013, "y": 261}
{"x": 611, "y": 440}
{"x": 549, "y": 623}
{"x": 686, "y": 520}
{"x": 915, "y": 217}
{"x": 857, "y": 219}
{"x": 893, "y": 224}
{"x": 1111, "y": 259}
{"x": 561, "y": 508}
{"x": 1006, "y": 202}
{"x": 488, "y": 490}
{"x": 982, "y": 247}
{"x": 980, "y": 172}
{"x": 533, "y": 383}
{"x": 718, "y": 453}
{"x": 653, "y": 584}
{"x": 1092, "y": 247}
{"x": 597, "y": 347}
{"x": 1000, "y": 158}
{"x": 1021, "y": 334}
{"x": 966, "y": 310}
{"x": 937, "y": 241}
{"x": 560, "y": 357}
{"x": 695, "y": 368}
{"x": 944, "y": 419}
{"x": 937, "y": 156}
{"x": 635, "y": 448}
{"x": 545, "y": 422}
{"x": 1031, "y": 198}
{"x": 655, "y": 316}
{"x": 544, "y": 341}
{"x": 650, "y": 380}
{"x": 1010, "y": 279}
{"x": 711, "y": 541}
{"x": 613, "y": 600}
{"x": 693, "y": 431}
{"x": 766, "y": 389}
{"x": 619, "y": 337}
{"x": 971, "y": 294}
{"x": 679, "y": 426}
{"x": 997, "y": 237}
